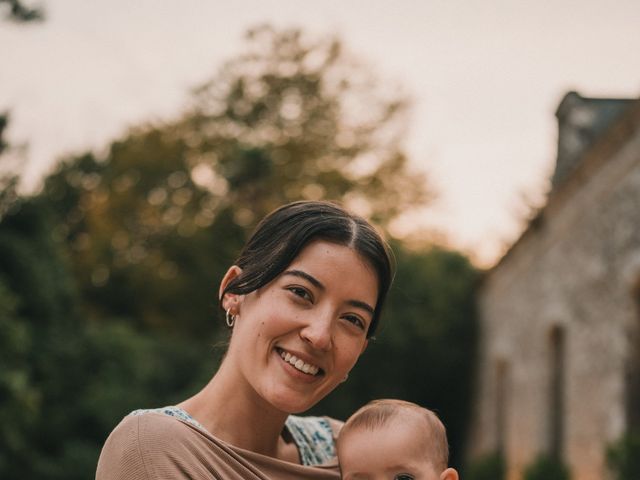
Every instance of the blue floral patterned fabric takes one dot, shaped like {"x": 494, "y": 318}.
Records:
{"x": 314, "y": 438}
{"x": 313, "y": 435}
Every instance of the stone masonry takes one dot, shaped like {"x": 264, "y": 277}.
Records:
{"x": 559, "y": 314}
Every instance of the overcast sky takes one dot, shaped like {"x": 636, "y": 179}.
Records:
{"x": 485, "y": 77}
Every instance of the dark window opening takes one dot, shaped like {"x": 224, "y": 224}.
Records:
{"x": 557, "y": 389}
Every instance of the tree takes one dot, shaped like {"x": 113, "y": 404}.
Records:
{"x": 8, "y": 178}
{"x": 65, "y": 382}
{"x": 19, "y": 397}
{"x": 152, "y": 227}
{"x": 36, "y": 327}
{"x": 19, "y": 12}
{"x": 293, "y": 118}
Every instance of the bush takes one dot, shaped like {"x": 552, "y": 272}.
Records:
{"x": 488, "y": 467}
{"x": 547, "y": 468}
{"x": 623, "y": 457}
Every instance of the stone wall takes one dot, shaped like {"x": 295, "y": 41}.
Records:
{"x": 574, "y": 271}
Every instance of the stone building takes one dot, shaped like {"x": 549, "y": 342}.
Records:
{"x": 559, "y": 367}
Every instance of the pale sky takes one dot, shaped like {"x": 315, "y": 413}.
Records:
{"x": 485, "y": 77}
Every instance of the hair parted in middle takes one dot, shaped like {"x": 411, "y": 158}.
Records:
{"x": 282, "y": 234}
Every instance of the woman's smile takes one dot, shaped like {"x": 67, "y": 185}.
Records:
{"x": 298, "y": 363}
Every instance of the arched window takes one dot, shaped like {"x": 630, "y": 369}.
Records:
{"x": 557, "y": 341}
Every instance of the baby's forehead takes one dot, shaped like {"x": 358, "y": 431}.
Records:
{"x": 418, "y": 418}
{"x": 403, "y": 422}
{"x": 416, "y": 425}
{"x": 401, "y": 445}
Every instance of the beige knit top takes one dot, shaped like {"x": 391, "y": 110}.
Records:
{"x": 157, "y": 446}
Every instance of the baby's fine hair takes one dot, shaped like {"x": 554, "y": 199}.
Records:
{"x": 378, "y": 413}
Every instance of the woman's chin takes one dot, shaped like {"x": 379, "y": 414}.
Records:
{"x": 293, "y": 407}
{"x": 293, "y": 402}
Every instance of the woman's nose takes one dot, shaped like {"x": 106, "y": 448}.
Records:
{"x": 318, "y": 333}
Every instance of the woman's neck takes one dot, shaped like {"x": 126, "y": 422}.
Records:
{"x": 233, "y": 412}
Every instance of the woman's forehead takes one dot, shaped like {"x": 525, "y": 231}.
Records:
{"x": 328, "y": 262}
{"x": 328, "y": 247}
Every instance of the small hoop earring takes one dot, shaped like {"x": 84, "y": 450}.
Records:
{"x": 345, "y": 378}
{"x": 229, "y": 319}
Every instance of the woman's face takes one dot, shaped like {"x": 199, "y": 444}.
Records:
{"x": 296, "y": 338}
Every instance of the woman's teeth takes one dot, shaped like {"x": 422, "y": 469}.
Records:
{"x": 299, "y": 364}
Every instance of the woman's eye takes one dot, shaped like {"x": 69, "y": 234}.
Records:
{"x": 357, "y": 321}
{"x": 300, "y": 292}
{"x": 403, "y": 476}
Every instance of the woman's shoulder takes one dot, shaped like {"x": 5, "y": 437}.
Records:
{"x": 170, "y": 411}
{"x": 152, "y": 425}
{"x": 139, "y": 441}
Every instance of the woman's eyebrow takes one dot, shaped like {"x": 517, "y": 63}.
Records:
{"x": 362, "y": 305}
{"x": 311, "y": 279}
{"x": 315, "y": 282}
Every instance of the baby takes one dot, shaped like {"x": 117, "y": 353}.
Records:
{"x": 394, "y": 440}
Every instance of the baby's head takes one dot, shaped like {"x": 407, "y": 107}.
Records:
{"x": 394, "y": 440}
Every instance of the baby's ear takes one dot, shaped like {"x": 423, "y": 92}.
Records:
{"x": 449, "y": 474}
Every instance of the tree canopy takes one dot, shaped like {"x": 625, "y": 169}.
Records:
{"x": 152, "y": 224}
{"x": 109, "y": 275}
{"x": 21, "y": 12}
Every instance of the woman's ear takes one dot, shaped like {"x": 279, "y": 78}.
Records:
{"x": 230, "y": 300}
{"x": 449, "y": 474}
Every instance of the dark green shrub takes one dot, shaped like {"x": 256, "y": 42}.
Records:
{"x": 488, "y": 467}
{"x": 623, "y": 457}
{"x": 547, "y": 468}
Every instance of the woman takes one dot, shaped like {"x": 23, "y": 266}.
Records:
{"x": 302, "y": 300}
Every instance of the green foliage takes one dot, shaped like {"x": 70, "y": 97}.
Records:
{"x": 64, "y": 383}
{"x": 31, "y": 260}
{"x": 8, "y": 193}
{"x": 142, "y": 238}
{"x": 488, "y": 467}
{"x": 8, "y": 176}
{"x": 623, "y": 456}
{"x": 154, "y": 225}
{"x": 36, "y": 303}
{"x": 296, "y": 118}
{"x": 547, "y": 468}
{"x": 20, "y": 400}
{"x": 425, "y": 350}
